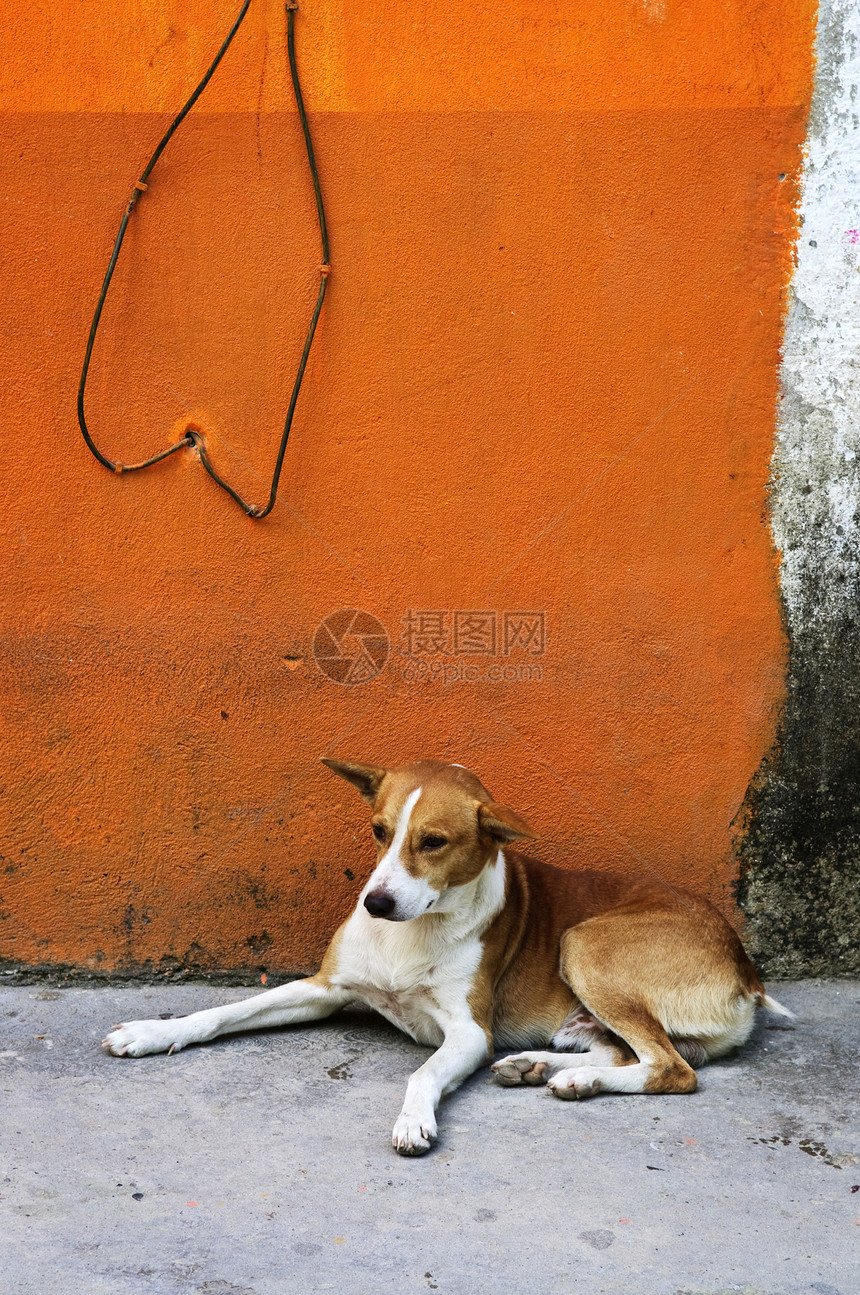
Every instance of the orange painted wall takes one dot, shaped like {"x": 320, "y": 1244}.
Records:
{"x": 544, "y": 380}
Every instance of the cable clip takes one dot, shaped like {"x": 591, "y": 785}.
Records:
{"x": 325, "y": 271}
{"x": 139, "y": 188}
{"x": 119, "y": 468}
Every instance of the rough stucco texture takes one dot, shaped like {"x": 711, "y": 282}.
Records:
{"x": 544, "y": 382}
{"x": 800, "y": 849}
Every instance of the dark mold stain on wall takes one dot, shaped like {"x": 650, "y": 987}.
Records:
{"x": 799, "y": 846}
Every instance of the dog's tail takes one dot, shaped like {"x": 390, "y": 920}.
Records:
{"x": 765, "y": 1000}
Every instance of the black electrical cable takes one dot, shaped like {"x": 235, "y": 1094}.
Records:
{"x": 193, "y": 436}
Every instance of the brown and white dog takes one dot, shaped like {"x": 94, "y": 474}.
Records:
{"x": 465, "y": 944}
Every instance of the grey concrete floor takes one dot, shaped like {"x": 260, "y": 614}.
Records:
{"x": 261, "y": 1163}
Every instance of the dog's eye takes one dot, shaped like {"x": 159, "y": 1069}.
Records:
{"x": 379, "y": 832}
{"x": 433, "y": 842}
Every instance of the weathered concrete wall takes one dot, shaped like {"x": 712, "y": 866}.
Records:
{"x": 544, "y": 383}
{"x": 800, "y": 849}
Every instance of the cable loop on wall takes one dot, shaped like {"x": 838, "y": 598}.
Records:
{"x": 193, "y": 436}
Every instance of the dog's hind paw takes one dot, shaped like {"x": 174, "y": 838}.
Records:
{"x": 575, "y": 1084}
{"x": 413, "y": 1136}
{"x": 140, "y": 1038}
{"x": 524, "y": 1068}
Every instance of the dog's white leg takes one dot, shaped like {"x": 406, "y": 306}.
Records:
{"x": 465, "y": 1049}
{"x": 588, "y": 1080}
{"x": 300, "y": 1000}
{"x": 539, "y": 1067}
{"x": 653, "y": 1072}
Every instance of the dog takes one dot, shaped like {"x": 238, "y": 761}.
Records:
{"x": 466, "y": 944}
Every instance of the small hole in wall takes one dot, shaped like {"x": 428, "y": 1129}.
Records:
{"x": 224, "y": 715}
{"x": 813, "y": 243}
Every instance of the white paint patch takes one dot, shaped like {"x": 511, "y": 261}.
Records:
{"x": 654, "y": 10}
{"x": 816, "y": 496}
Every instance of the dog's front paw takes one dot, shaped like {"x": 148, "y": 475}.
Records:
{"x": 139, "y": 1038}
{"x": 413, "y": 1135}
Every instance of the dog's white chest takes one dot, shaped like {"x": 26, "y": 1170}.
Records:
{"x": 413, "y": 1011}
{"x": 410, "y": 975}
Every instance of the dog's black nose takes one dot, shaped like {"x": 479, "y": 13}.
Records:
{"x": 379, "y": 903}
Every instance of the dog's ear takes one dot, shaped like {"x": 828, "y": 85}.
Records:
{"x": 503, "y": 824}
{"x": 366, "y": 777}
